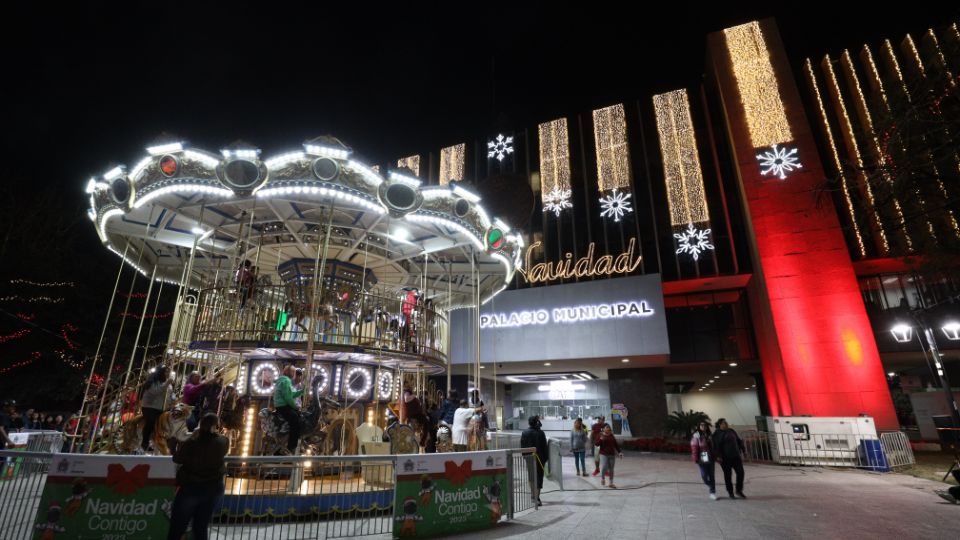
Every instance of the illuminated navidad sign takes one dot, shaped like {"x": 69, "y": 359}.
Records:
{"x": 602, "y": 318}
{"x": 584, "y": 267}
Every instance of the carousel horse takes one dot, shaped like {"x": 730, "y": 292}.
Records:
{"x": 444, "y": 439}
{"x": 275, "y": 429}
{"x": 171, "y": 424}
{"x": 232, "y": 405}
{"x": 299, "y": 308}
{"x": 370, "y": 325}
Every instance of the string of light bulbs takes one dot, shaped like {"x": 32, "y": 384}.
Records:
{"x": 20, "y": 281}
{"x": 613, "y": 152}
{"x": 34, "y": 356}
{"x": 31, "y": 299}
{"x": 451, "y": 163}
{"x": 16, "y": 335}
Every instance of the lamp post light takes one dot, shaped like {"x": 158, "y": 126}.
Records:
{"x": 902, "y": 333}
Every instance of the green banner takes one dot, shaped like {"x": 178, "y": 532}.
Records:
{"x": 106, "y": 498}
{"x": 450, "y": 492}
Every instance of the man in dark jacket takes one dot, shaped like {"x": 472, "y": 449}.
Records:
{"x": 728, "y": 449}
{"x": 533, "y": 437}
{"x": 199, "y": 479}
{"x": 449, "y": 407}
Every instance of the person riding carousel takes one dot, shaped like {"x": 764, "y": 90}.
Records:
{"x": 284, "y": 399}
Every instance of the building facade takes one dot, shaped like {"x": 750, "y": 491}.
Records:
{"x": 765, "y": 220}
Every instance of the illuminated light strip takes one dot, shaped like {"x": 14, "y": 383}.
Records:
{"x": 404, "y": 179}
{"x": 757, "y": 83}
{"x": 935, "y": 43}
{"x": 844, "y": 183}
{"x": 208, "y": 160}
{"x": 255, "y": 386}
{"x": 164, "y": 148}
{"x": 322, "y": 370}
{"x": 504, "y": 228}
{"x": 681, "y": 162}
{"x": 103, "y": 221}
{"x": 506, "y": 263}
{"x": 243, "y": 153}
{"x": 613, "y": 153}
{"x": 451, "y": 163}
{"x": 366, "y": 172}
{"x": 482, "y": 214}
{"x": 16, "y": 335}
{"x": 31, "y": 300}
{"x": 367, "y": 382}
{"x": 113, "y": 173}
{"x": 892, "y": 58}
{"x": 140, "y": 167}
{"x": 853, "y": 148}
{"x": 385, "y": 385}
{"x": 466, "y": 194}
{"x": 554, "y": 156}
{"x": 212, "y": 190}
{"x": 34, "y": 356}
{"x": 242, "y": 379}
{"x": 284, "y": 159}
{"x": 133, "y": 264}
{"x": 446, "y": 222}
{"x": 20, "y": 281}
{"x": 410, "y": 162}
{"x": 865, "y": 117}
{"x": 326, "y": 151}
{"x": 321, "y": 191}
{"x": 912, "y": 49}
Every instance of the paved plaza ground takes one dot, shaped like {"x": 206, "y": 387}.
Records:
{"x": 661, "y": 497}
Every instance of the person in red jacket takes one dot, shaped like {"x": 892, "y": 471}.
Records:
{"x": 596, "y": 430}
{"x": 701, "y": 450}
{"x": 609, "y": 450}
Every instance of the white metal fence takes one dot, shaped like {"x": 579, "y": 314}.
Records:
{"x": 266, "y": 498}
{"x": 889, "y": 451}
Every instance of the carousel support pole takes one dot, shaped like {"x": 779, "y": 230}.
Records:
{"x": 153, "y": 321}
{"x": 113, "y": 358}
{"x": 136, "y": 341}
{"x": 96, "y": 356}
{"x": 318, "y": 269}
{"x": 449, "y": 304}
{"x": 185, "y": 290}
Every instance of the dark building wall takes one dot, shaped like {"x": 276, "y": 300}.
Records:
{"x": 643, "y": 393}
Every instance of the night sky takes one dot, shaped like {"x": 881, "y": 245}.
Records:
{"x": 86, "y": 86}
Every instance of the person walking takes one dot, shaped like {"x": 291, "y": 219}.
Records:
{"x": 728, "y": 450}
{"x": 596, "y": 430}
{"x": 609, "y": 450}
{"x": 578, "y": 444}
{"x": 153, "y": 401}
{"x": 534, "y": 437}
{"x": 701, "y": 450}
{"x": 285, "y": 400}
{"x": 199, "y": 479}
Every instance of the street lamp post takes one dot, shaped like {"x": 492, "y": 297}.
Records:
{"x": 902, "y": 333}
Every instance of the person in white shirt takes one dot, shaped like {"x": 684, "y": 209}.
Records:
{"x": 461, "y": 426}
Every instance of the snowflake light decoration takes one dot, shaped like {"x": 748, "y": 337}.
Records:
{"x": 615, "y": 204}
{"x": 693, "y": 241}
{"x": 779, "y": 161}
{"x": 556, "y": 200}
{"x": 500, "y": 147}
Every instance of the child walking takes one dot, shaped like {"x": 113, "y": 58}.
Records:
{"x": 609, "y": 450}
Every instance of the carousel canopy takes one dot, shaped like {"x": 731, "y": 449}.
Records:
{"x": 233, "y": 206}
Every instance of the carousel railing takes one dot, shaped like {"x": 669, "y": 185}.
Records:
{"x": 286, "y": 314}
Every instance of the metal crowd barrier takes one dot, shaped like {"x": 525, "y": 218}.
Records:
{"x": 889, "y": 451}
{"x": 305, "y": 497}
{"x": 22, "y": 477}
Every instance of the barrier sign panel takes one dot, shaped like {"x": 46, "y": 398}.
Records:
{"x": 449, "y": 492}
{"x": 106, "y": 497}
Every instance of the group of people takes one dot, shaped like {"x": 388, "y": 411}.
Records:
{"x": 722, "y": 447}
{"x": 157, "y": 393}
{"x": 468, "y": 423}
{"x": 12, "y": 421}
{"x": 602, "y": 443}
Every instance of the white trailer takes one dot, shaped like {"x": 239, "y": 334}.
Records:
{"x": 830, "y": 440}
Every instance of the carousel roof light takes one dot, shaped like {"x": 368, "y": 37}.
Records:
{"x": 161, "y": 149}
{"x": 113, "y": 173}
{"x": 466, "y": 194}
{"x": 241, "y": 153}
{"x": 283, "y": 159}
{"x": 406, "y": 179}
{"x": 327, "y": 151}
{"x": 202, "y": 157}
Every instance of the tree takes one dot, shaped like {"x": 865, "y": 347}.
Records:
{"x": 682, "y": 424}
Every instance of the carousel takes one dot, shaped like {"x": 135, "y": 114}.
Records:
{"x": 310, "y": 259}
